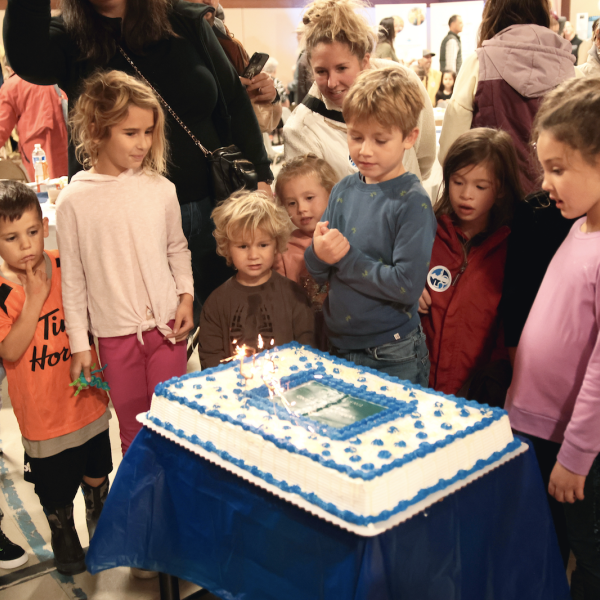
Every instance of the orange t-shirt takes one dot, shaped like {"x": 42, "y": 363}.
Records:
{"x": 38, "y": 383}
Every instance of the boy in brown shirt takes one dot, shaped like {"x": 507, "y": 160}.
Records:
{"x": 250, "y": 230}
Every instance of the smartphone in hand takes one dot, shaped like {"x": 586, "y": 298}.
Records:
{"x": 256, "y": 65}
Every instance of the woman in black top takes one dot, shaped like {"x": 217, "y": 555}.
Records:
{"x": 173, "y": 46}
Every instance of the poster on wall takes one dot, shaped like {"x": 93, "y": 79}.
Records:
{"x": 411, "y": 41}
{"x": 439, "y": 15}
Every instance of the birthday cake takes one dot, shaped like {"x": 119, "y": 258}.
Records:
{"x": 350, "y": 441}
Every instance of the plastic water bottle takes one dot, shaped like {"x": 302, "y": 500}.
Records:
{"x": 40, "y": 166}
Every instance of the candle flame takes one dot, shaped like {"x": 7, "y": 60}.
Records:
{"x": 261, "y": 344}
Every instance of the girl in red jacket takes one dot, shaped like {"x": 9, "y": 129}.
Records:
{"x": 459, "y": 305}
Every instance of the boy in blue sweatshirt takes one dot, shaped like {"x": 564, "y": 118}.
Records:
{"x": 374, "y": 241}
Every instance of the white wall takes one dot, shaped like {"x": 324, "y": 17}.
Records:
{"x": 270, "y": 30}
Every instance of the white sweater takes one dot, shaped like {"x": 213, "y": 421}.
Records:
{"x": 306, "y": 131}
{"x": 124, "y": 257}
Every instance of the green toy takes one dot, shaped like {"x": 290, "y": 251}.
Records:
{"x": 83, "y": 383}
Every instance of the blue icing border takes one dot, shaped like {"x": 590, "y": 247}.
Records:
{"x": 493, "y": 414}
{"x": 329, "y": 507}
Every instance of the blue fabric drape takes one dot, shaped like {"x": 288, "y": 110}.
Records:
{"x": 172, "y": 511}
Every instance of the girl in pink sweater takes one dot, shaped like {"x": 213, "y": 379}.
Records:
{"x": 127, "y": 274}
{"x": 555, "y": 394}
{"x": 302, "y": 188}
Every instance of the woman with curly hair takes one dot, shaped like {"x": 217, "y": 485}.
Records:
{"x": 339, "y": 44}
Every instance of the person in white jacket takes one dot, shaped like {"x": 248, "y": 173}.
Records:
{"x": 339, "y": 43}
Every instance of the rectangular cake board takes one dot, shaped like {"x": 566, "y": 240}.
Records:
{"x": 370, "y": 530}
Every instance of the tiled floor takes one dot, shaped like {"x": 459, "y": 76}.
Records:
{"x": 25, "y": 524}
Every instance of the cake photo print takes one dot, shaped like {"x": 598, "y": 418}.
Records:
{"x": 351, "y": 445}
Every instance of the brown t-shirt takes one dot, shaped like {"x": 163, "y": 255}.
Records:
{"x": 235, "y": 314}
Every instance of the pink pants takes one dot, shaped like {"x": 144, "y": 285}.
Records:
{"x": 133, "y": 371}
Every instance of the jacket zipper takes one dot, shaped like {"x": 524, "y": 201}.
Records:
{"x": 463, "y": 267}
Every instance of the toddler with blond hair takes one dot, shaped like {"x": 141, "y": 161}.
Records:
{"x": 251, "y": 230}
{"x": 303, "y": 187}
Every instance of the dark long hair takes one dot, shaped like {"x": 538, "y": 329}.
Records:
{"x": 145, "y": 21}
{"x": 495, "y": 148}
{"x": 500, "y": 14}
{"x": 441, "y": 88}
{"x": 387, "y": 31}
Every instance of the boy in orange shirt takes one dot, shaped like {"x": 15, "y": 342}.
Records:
{"x": 65, "y": 435}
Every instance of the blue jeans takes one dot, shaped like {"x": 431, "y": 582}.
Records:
{"x": 406, "y": 359}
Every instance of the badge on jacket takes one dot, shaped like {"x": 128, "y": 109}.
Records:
{"x": 439, "y": 279}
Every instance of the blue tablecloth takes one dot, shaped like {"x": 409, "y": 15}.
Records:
{"x": 172, "y": 511}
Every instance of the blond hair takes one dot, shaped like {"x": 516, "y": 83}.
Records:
{"x": 302, "y": 166}
{"x": 387, "y": 95}
{"x": 567, "y": 113}
{"x": 105, "y": 102}
{"x": 243, "y": 213}
{"x": 328, "y": 21}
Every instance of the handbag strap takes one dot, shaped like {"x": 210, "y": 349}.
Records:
{"x": 164, "y": 103}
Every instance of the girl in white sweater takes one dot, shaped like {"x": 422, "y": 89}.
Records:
{"x": 127, "y": 274}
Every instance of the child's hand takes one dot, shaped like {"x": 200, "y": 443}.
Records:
{"x": 565, "y": 485}
{"x": 36, "y": 284}
{"x": 184, "y": 318}
{"x": 81, "y": 361}
{"x": 329, "y": 244}
{"x": 424, "y": 302}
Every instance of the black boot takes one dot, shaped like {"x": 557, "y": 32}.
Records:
{"x": 68, "y": 553}
{"x": 94, "y": 501}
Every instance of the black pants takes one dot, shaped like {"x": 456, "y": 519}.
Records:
{"x": 57, "y": 478}
{"x": 577, "y": 525}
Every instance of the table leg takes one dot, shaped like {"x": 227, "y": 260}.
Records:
{"x": 169, "y": 587}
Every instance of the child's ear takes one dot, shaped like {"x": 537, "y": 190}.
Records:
{"x": 411, "y": 138}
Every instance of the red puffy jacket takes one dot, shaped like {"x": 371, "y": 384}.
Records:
{"x": 462, "y": 325}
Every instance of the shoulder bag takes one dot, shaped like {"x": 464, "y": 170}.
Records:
{"x": 229, "y": 170}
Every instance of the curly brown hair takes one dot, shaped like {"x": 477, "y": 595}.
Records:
{"x": 328, "y": 21}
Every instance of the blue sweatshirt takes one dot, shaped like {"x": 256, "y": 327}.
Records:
{"x": 374, "y": 290}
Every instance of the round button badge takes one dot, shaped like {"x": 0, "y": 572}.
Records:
{"x": 439, "y": 279}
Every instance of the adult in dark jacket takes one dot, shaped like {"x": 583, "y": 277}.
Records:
{"x": 173, "y": 45}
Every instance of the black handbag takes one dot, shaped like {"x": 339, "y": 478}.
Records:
{"x": 230, "y": 171}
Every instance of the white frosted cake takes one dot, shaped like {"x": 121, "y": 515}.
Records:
{"x": 355, "y": 443}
